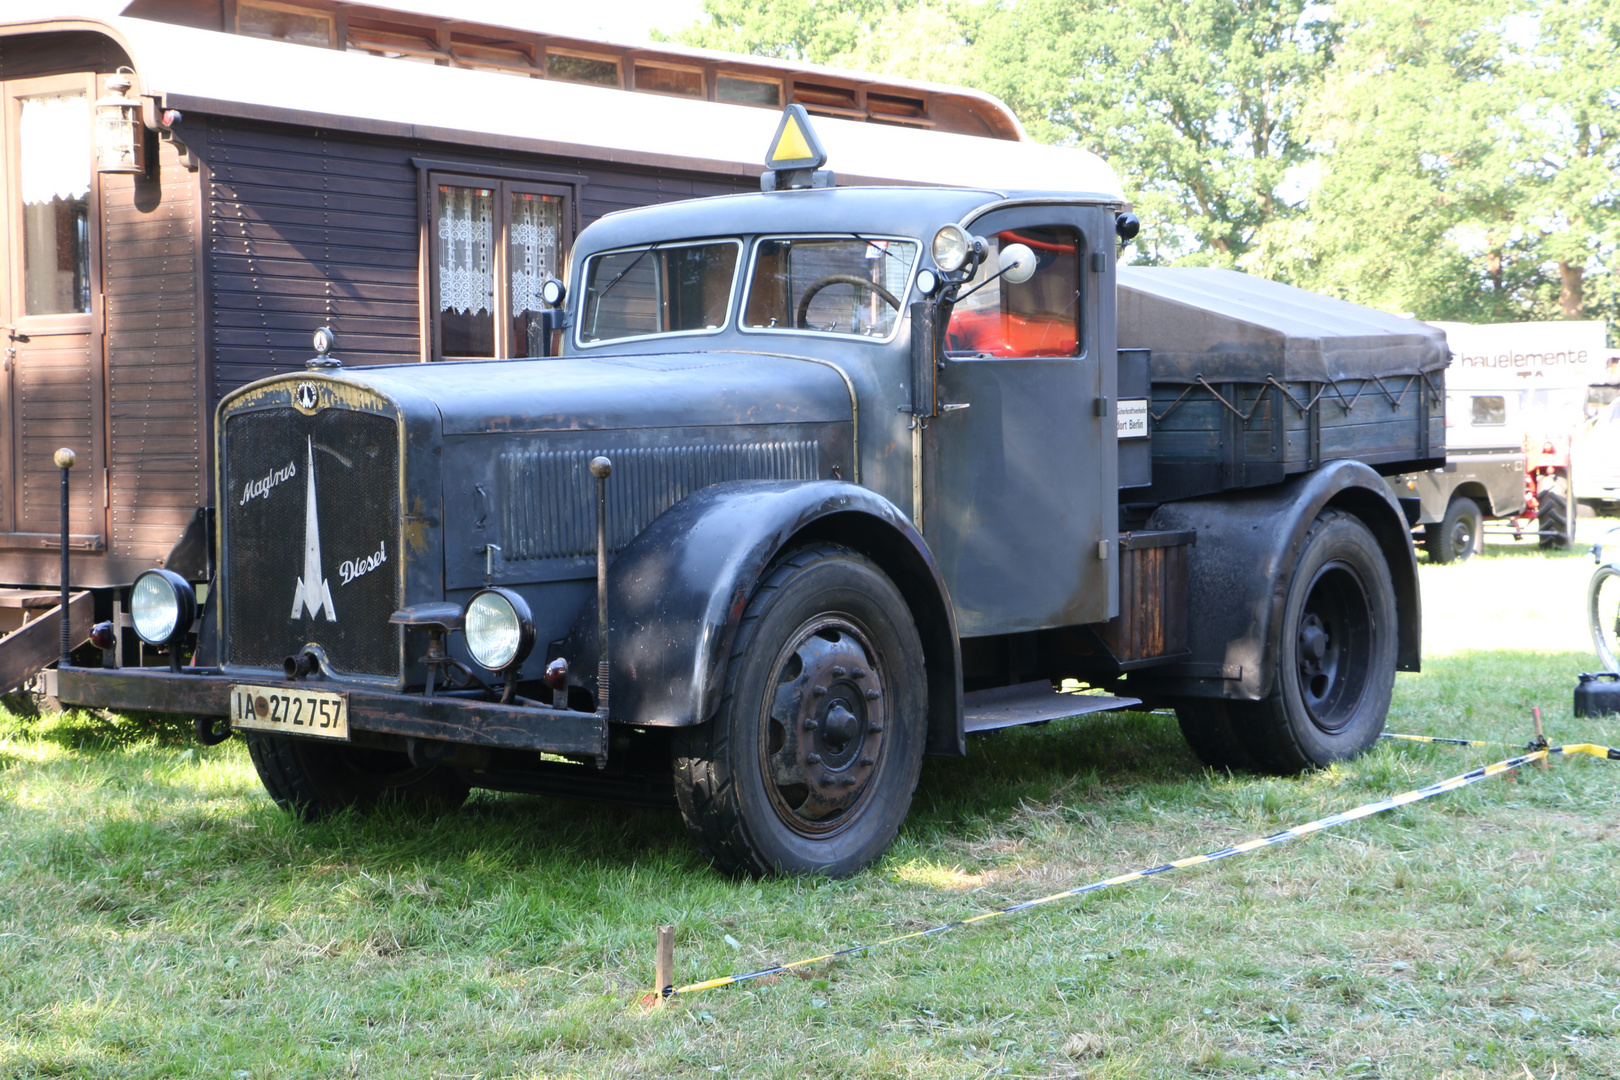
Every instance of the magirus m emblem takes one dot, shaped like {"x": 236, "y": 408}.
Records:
{"x": 313, "y": 594}
{"x": 305, "y": 395}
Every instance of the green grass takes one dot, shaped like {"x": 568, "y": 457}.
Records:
{"x": 160, "y": 918}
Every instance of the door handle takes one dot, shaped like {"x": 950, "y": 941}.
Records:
{"x": 956, "y": 405}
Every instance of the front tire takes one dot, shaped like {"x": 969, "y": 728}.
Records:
{"x": 1603, "y": 615}
{"x": 313, "y": 779}
{"x": 1336, "y": 665}
{"x": 810, "y": 762}
{"x": 1458, "y": 536}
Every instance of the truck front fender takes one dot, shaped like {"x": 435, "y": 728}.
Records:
{"x": 677, "y": 592}
{"x": 1239, "y": 570}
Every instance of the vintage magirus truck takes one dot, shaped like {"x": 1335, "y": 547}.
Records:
{"x": 820, "y": 481}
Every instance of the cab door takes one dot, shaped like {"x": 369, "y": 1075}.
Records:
{"x": 1020, "y": 464}
{"x": 52, "y": 377}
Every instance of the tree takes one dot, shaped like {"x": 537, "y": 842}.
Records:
{"x": 816, "y": 31}
{"x": 1468, "y": 159}
{"x": 1196, "y": 103}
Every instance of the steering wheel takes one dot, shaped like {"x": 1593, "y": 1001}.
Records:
{"x": 803, "y": 321}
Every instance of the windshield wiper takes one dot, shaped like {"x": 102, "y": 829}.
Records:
{"x": 633, "y": 264}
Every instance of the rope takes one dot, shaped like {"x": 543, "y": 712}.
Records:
{"x": 1380, "y": 806}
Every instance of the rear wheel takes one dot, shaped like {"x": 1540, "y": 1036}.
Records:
{"x": 313, "y": 779}
{"x": 1336, "y": 665}
{"x": 1211, "y": 727}
{"x": 1554, "y": 521}
{"x": 811, "y": 760}
{"x": 1458, "y": 535}
{"x": 1603, "y": 613}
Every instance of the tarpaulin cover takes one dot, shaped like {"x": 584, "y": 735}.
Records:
{"x": 1232, "y": 327}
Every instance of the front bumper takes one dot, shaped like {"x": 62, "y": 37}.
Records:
{"x": 447, "y": 719}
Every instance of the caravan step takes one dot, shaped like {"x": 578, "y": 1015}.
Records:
{"x": 1031, "y": 703}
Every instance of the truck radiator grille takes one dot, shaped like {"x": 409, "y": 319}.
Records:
{"x": 311, "y": 538}
{"x": 548, "y": 499}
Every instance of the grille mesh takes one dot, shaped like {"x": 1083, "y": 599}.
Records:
{"x": 267, "y": 470}
{"x": 548, "y": 498}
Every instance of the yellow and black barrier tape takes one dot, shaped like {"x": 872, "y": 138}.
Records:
{"x": 1380, "y": 806}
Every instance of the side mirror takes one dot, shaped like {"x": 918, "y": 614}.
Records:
{"x": 1016, "y": 263}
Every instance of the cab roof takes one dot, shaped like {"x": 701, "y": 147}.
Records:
{"x": 876, "y": 211}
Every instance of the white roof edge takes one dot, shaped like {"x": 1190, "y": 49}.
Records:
{"x": 204, "y": 69}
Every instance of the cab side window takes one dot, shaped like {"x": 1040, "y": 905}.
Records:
{"x": 1038, "y": 317}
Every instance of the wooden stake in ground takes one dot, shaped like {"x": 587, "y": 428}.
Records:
{"x": 665, "y": 974}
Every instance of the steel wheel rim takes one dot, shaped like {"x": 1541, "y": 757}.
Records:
{"x": 823, "y": 726}
{"x": 1333, "y": 647}
{"x": 1462, "y": 538}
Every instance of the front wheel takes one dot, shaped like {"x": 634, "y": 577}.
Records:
{"x": 313, "y": 779}
{"x": 810, "y": 762}
{"x": 1336, "y": 665}
{"x": 1603, "y": 614}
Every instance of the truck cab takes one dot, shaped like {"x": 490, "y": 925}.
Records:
{"x": 817, "y": 481}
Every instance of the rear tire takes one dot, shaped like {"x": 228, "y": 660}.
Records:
{"x": 1459, "y": 535}
{"x": 313, "y": 779}
{"x": 809, "y": 764}
{"x": 1211, "y": 727}
{"x": 1336, "y": 665}
{"x": 1554, "y": 522}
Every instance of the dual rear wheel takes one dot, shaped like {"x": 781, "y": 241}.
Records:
{"x": 1335, "y": 670}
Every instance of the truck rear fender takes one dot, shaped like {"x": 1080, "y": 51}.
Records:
{"x": 1238, "y": 575}
{"x": 677, "y": 592}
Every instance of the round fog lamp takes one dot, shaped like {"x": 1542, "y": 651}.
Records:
{"x": 162, "y": 606}
{"x": 950, "y": 248}
{"x": 498, "y": 629}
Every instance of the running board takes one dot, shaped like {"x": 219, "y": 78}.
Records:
{"x": 1031, "y": 703}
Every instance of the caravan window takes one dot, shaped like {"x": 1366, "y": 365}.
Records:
{"x": 1490, "y": 411}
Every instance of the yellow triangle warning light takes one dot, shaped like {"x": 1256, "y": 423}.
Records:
{"x": 792, "y": 145}
{"x": 795, "y": 145}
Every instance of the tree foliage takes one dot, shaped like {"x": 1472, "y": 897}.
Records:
{"x": 1452, "y": 158}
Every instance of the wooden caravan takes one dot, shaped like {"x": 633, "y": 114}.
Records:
{"x": 406, "y": 181}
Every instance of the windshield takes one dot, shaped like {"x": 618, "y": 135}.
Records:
{"x": 661, "y": 289}
{"x": 832, "y": 284}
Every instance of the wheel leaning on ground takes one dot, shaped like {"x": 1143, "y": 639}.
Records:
{"x": 1457, "y": 537}
{"x": 1336, "y": 664}
{"x": 1603, "y": 615}
{"x": 809, "y": 764}
{"x": 313, "y": 779}
{"x": 1555, "y": 524}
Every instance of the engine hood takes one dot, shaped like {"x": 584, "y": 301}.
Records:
{"x": 597, "y": 393}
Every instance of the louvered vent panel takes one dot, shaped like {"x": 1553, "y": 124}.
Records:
{"x": 548, "y": 498}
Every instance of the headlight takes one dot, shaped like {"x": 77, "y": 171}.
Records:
{"x": 950, "y": 248}
{"x": 162, "y": 606}
{"x": 498, "y": 629}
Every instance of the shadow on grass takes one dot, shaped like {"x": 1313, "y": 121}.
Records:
{"x": 94, "y": 730}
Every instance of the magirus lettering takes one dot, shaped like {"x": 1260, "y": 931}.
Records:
{"x": 353, "y": 568}
{"x": 254, "y": 488}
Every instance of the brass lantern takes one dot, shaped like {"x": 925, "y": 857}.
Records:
{"x": 120, "y": 137}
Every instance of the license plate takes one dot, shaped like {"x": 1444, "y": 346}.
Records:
{"x": 287, "y": 711}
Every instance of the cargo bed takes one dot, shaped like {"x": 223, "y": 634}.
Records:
{"x": 1253, "y": 380}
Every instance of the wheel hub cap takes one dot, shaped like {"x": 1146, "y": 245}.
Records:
{"x": 824, "y": 731}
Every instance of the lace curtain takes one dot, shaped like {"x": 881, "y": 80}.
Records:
{"x": 466, "y": 250}
{"x": 534, "y": 225}
{"x": 55, "y": 134}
